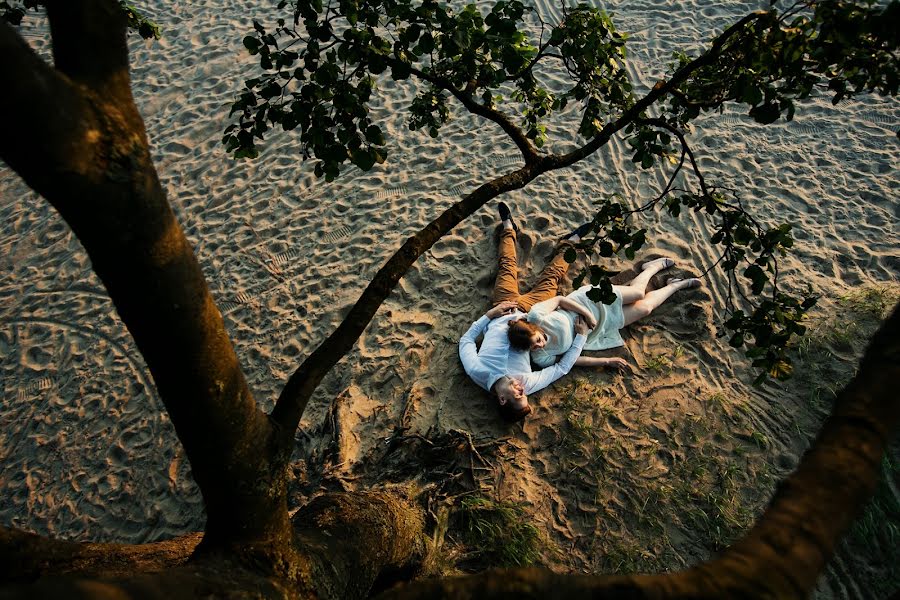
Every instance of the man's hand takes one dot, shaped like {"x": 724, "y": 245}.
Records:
{"x": 581, "y": 326}
{"x": 504, "y": 308}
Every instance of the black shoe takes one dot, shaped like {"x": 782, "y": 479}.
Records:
{"x": 582, "y": 231}
{"x": 505, "y": 215}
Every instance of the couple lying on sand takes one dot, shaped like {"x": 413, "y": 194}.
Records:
{"x": 542, "y": 327}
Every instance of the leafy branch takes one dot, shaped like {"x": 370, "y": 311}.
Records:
{"x": 320, "y": 72}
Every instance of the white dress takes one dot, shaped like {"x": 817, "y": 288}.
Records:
{"x": 559, "y": 325}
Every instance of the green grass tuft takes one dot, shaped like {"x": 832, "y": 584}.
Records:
{"x": 500, "y": 533}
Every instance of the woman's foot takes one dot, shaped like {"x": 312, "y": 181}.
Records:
{"x": 506, "y": 217}
{"x": 684, "y": 284}
{"x": 659, "y": 264}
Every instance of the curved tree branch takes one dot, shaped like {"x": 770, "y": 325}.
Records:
{"x": 529, "y": 153}
{"x": 303, "y": 382}
{"x": 784, "y": 554}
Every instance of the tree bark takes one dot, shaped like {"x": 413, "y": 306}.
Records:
{"x": 25, "y": 557}
{"x": 784, "y": 553}
{"x": 345, "y": 544}
{"x": 75, "y": 136}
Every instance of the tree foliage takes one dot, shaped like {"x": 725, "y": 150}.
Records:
{"x": 320, "y": 67}
{"x": 108, "y": 192}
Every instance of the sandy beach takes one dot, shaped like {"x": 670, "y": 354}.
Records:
{"x": 606, "y": 462}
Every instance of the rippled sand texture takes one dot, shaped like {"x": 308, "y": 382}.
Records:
{"x": 86, "y": 453}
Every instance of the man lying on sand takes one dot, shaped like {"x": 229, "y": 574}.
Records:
{"x": 497, "y": 368}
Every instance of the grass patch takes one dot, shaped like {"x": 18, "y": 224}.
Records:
{"x": 625, "y": 556}
{"x": 500, "y": 534}
{"x": 658, "y": 364}
{"x": 826, "y": 356}
{"x": 707, "y": 497}
{"x": 580, "y": 438}
{"x": 684, "y": 486}
{"x": 872, "y": 302}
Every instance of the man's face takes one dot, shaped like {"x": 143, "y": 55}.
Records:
{"x": 511, "y": 390}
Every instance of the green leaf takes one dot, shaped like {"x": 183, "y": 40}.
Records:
{"x": 364, "y": 159}
{"x": 765, "y": 113}
{"x": 400, "y": 71}
{"x": 758, "y": 278}
{"x": 252, "y": 44}
{"x": 570, "y": 255}
{"x": 374, "y": 135}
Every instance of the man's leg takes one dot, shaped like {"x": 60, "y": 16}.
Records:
{"x": 507, "y": 285}
{"x": 547, "y": 284}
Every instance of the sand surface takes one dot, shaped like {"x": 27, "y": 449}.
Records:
{"x": 87, "y": 453}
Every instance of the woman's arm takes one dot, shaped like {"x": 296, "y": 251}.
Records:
{"x": 548, "y": 306}
{"x": 575, "y": 307}
{"x": 612, "y": 363}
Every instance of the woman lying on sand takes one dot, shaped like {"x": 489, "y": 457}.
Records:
{"x": 549, "y": 327}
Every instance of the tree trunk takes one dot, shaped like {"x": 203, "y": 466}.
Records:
{"x": 77, "y": 139}
{"x": 344, "y": 544}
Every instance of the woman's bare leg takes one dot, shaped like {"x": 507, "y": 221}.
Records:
{"x": 652, "y": 300}
{"x": 635, "y": 289}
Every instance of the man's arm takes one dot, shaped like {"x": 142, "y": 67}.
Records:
{"x": 468, "y": 351}
{"x": 533, "y": 382}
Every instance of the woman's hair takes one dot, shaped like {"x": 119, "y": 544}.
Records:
{"x": 520, "y": 334}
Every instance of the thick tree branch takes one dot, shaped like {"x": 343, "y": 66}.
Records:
{"x": 306, "y": 378}
{"x": 89, "y": 43}
{"x": 46, "y": 107}
{"x": 784, "y": 554}
{"x": 85, "y": 151}
{"x": 25, "y": 557}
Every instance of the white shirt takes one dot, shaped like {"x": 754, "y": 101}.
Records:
{"x": 496, "y": 359}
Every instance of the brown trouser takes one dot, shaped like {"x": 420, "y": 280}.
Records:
{"x": 507, "y": 284}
